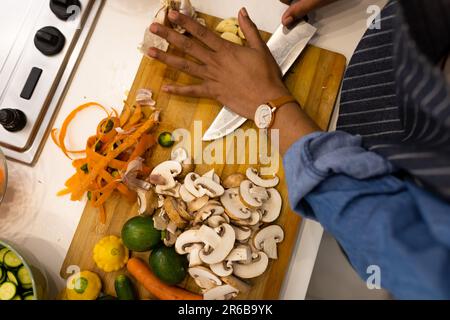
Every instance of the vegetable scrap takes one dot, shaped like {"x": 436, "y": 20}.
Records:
{"x": 102, "y": 168}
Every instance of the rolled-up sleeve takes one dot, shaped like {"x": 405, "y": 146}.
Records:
{"x": 378, "y": 219}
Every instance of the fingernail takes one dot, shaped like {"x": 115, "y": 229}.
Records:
{"x": 166, "y": 88}
{"x": 288, "y": 21}
{"x": 173, "y": 14}
{"x": 244, "y": 12}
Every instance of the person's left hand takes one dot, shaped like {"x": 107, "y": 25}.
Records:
{"x": 242, "y": 78}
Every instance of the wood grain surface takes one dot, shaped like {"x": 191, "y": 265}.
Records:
{"x": 314, "y": 80}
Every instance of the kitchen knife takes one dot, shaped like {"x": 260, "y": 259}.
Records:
{"x": 286, "y": 45}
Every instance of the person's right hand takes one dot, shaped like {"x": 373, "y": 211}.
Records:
{"x": 300, "y": 8}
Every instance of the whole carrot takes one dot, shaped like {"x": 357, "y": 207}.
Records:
{"x": 142, "y": 273}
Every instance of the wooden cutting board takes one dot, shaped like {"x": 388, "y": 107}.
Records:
{"x": 314, "y": 80}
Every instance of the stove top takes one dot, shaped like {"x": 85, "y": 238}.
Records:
{"x": 41, "y": 43}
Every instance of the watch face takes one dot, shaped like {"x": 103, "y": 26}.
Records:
{"x": 263, "y": 116}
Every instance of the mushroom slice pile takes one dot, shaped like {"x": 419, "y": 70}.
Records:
{"x": 224, "y": 228}
{"x": 267, "y": 240}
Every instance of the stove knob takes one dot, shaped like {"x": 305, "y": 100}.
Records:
{"x": 13, "y": 120}
{"x": 64, "y": 9}
{"x": 49, "y": 41}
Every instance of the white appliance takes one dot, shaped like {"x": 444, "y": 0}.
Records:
{"x": 41, "y": 42}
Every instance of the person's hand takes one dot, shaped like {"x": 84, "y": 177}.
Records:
{"x": 242, "y": 78}
{"x": 300, "y": 8}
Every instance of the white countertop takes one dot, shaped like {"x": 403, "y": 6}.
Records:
{"x": 33, "y": 217}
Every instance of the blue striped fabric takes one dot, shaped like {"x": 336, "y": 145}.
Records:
{"x": 399, "y": 103}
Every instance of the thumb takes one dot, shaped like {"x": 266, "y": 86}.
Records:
{"x": 298, "y": 10}
{"x": 250, "y": 30}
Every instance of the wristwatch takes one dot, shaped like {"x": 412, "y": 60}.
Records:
{"x": 265, "y": 114}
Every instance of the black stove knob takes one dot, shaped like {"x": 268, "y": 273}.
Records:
{"x": 49, "y": 41}
{"x": 13, "y": 120}
{"x": 64, "y": 9}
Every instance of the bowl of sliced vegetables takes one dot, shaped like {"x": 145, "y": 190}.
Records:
{"x": 3, "y": 175}
{"x": 20, "y": 279}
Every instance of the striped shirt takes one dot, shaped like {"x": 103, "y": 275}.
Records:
{"x": 395, "y": 97}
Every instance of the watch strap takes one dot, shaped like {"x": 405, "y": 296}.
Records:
{"x": 278, "y": 103}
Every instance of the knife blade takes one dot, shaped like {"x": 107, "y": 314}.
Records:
{"x": 286, "y": 45}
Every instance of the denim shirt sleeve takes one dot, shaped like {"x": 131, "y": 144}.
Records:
{"x": 378, "y": 219}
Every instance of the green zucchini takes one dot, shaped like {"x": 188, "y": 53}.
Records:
{"x": 8, "y": 291}
{"x": 17, "y": 297}
{"x": 124, "y": 288}
{"x": 28, "y": 297}
{"x": 12, "y": 278}
{"x": 11, "y": 261}
{"x": 3, "y": 251}
{"x": 2, "y": 275}
{"x": 24, "y": 276}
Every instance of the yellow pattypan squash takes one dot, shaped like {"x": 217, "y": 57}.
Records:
{"x": 110, "y": 254}
{"x": 84, "y": 285}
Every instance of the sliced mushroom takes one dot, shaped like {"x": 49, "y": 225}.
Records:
{"x": 240, "y": 253}
{"x": 225, "y": 292}
{"x": 171, "y": 206}
{"x": 167, "y": 170}
{"x": 212, "y": 255}
{"x": 233, "y": 181}
{"x": 193, "y": 254}
{"x": 196, "y": 191}
{"x": 161, "y": 220}
{"x": 242, "y": 286}
{"x": 255, "y": 218}
{"x": 186, "y": 195}
{"x": 271, "y": 209}
{"x": 252, "y": 195}
{"x": 204, "y": 277}
{"x": 267, "y": 240}
{"x": 197, "y": 204}
{"x": 210, "y": 187}
{"x": 234, "y": 208}
{"x": 208, "y": 210}
{"x": 242, "y": 233}
{"x": 182, "y": 210}
{"x": 253, "y": 176}
{"x": 170, "y": 238}
{"x": 253, "y": 269}
{"x": 217, "y": 220}
{"x": 186, "y": 240}
{"x": 172, "y": 227}
{"x": 212, "y": 175}
{"x": 173, "y": 192}
{"x": 222, "y": 269}
{"x": 181, "y": 156}
{"x": 147, "y": 201}
{"x": 209, "y": 237}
